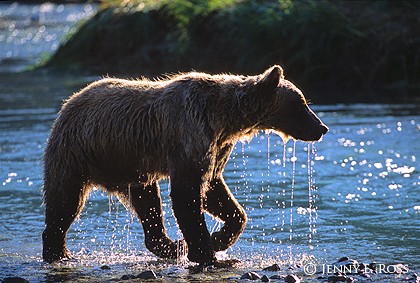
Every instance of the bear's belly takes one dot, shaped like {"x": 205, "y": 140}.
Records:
{"x": 119, "y": 178}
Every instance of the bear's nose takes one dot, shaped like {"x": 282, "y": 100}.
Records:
{"x": 324, "y": 129}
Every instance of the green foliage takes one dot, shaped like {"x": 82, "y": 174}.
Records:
{"x": 327, "y": 47}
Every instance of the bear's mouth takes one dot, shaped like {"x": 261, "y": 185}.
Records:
{"x": 313, "y": 136}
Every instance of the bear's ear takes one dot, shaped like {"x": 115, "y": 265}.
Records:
{"x": 270, "y": 79}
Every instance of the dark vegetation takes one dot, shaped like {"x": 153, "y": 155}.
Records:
{"x": 336, "y": 51}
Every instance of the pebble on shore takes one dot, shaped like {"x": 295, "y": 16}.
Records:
{"x": 274, "y": 267}
{"x": 14, "y": 280}
{"x": 145, "y": 275}
{"x": 148, "y": 274}
{"x": 291, "y": 278}
{"x": 251, "y": 275}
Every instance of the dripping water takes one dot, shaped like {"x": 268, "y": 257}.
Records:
{"x": 115, "y": 225}
{"x": 130, "y": 219}
{"x": 283, "y": 211}
{"x": 293, "y": 159}
{"x": 244, "y": 163}
{"x": 109, "y": 221}
{"x": 311, "y": 195}
{"x": 268, "y": 163}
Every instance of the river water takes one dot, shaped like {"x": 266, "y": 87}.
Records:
{"x": 355, "y": 194}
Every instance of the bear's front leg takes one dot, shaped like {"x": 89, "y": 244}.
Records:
{"x": 187, "y": 203}
{"x": 220, "y": 203}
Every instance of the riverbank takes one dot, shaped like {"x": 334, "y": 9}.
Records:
{"x": 159, "y": 271}
{"x": 336, "y": 51}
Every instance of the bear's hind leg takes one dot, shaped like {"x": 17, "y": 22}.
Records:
{"x": 147, "y": 203}
{"x": 222, "y": 204}
{"x": 62, "y": 206}
{"x": 187, "y": 188}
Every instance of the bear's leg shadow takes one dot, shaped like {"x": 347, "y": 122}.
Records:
{"x": 147, "y": 204}
{"x": 220, "y": 203}
{"x": 186, "y": 192}
{"x": 63, "y": 203}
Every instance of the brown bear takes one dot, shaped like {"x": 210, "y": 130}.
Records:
{"x": 126, "y": 135}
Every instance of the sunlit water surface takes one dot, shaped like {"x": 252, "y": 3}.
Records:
{"x": 354, "y": 194}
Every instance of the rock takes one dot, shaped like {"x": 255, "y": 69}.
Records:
{"x": 414, "y": 278}
{"x": 346, "y": 265}
{"x": 274, "y": 267}
{"x": 125, "y": 277}
{"x": 105, "y": 267}
{"x": 265, "y": 278}
{"x": 336, "y": 278}
{"x": 255, "y": 276}
{"x": 276, "y": 277}
{"x": 372, "y": 265}
{"x": 345, "y": 258}
{"x": 364, "y": 269}
{"x": 251, "y": 276}
{"x": 246, "y": 276}
{"x": 345, "y": 261}
{"x": 291, "y": 278}
{"x": 339, "y": 278}
{"x": 148, "y": 274}
{"x": 14, "y": 280}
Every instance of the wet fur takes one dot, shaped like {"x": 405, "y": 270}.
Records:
{"x": 126, "y": 135}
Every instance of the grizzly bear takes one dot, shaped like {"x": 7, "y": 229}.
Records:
{"x": 126, "y": 135}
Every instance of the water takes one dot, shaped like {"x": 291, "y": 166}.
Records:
{"x": 354, "y": 194}
{"x": 29, "y": 32}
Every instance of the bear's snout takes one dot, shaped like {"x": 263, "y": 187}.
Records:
{"x": 309, "y": 128}
{"x": 313, "y": 135}
{"x": 323, "y": 129}
{"x": 318, "y": 130}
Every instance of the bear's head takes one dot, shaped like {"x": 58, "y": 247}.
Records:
{"x": 284, "y": 109}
